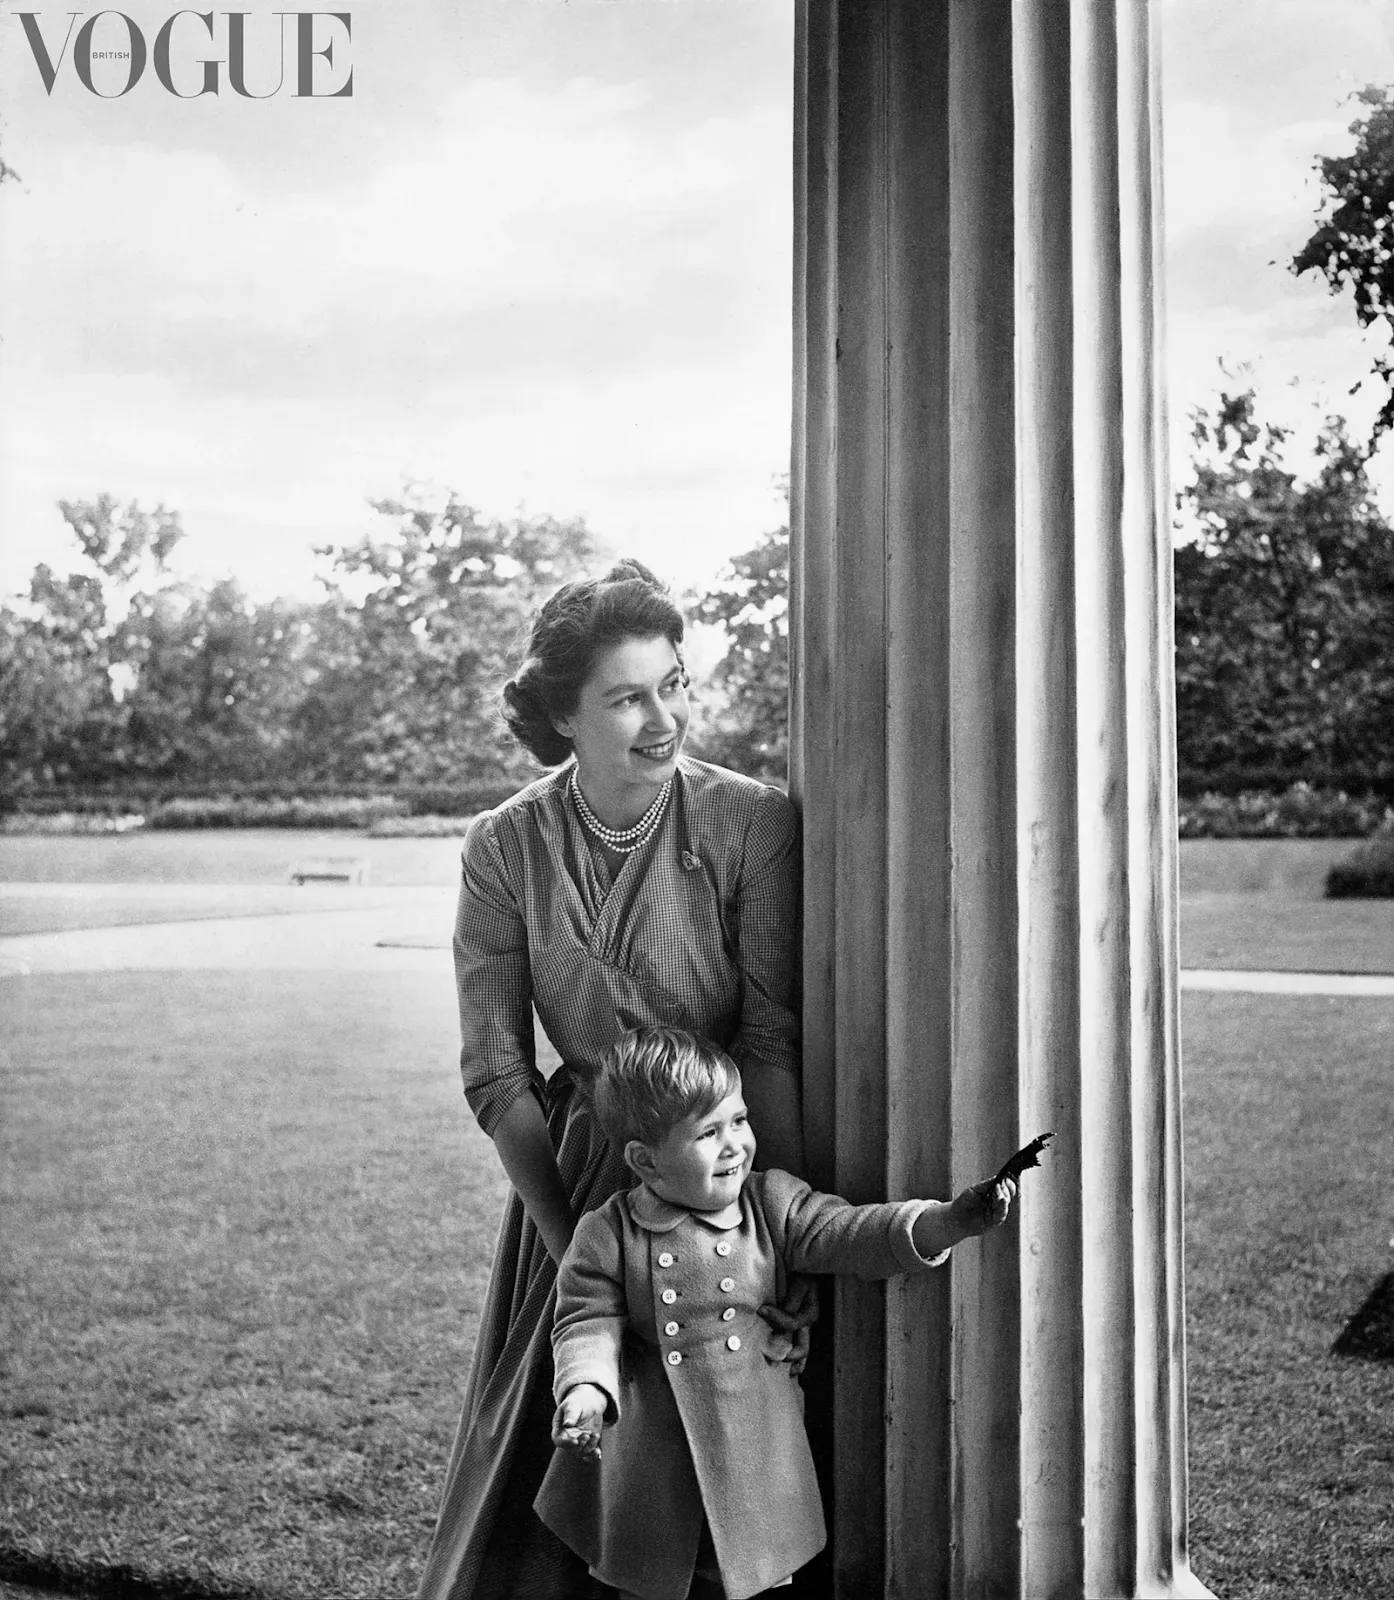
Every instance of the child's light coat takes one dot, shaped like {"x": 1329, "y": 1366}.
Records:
{"x": 718, "y": 1432}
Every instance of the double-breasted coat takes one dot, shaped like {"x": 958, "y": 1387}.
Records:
{"x": 659, "y": 1307}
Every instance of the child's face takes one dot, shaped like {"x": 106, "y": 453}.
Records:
{"x": 703, "y": 1161}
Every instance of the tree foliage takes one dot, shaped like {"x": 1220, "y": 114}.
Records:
{"x": 62, "y": 657}
{"x": 1284, "y": 605}
{"x": 421, "y": 625}
{"x": 1284, "y": 618}
{"x": 119, "y": 671}
{"x": 1353, "y": 243}
{"x": 747, "y": 728}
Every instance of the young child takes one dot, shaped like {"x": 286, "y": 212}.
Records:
{"x": 705, "y": 1483}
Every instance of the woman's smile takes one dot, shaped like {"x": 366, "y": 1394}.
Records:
{"x": 659, "y": 752}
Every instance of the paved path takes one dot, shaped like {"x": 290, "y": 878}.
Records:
{"x": 344, "y": 928}
{"x": 1333, "y": 983}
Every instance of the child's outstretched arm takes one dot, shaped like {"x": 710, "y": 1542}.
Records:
{"x": 940, "y": 1226}
{"x": 823, "y": 1233}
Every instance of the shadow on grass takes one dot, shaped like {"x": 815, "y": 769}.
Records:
{"x": 55, "y": 1575}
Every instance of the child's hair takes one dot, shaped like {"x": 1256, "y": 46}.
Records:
{"x": 654, "y": 1077}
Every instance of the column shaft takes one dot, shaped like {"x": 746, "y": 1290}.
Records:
{"x": 918, "y": 692}
{"x": 1047, "y": 826}
{"x": 979, "y": 785}
{"x": 982, "y": 748}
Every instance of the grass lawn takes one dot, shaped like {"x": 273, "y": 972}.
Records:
{"x": 246, "y": 1219}
{"x": 1290, "y": 1170}
{"x": 1253, "y": 934}
{"x": 1292, "y": 868}
{"x": 66, "y": 907}
{"x": 247, "y": 1222}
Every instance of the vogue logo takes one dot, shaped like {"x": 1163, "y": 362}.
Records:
{"x": 122, "y": 40}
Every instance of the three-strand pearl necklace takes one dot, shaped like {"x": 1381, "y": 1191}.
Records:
{"x": 623, "y": 841}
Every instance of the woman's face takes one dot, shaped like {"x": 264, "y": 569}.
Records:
{"x": 630, "y": 720}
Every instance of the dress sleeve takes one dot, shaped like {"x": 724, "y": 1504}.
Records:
{"x": 766, "y": 905}
{"x": 493, "y": 980}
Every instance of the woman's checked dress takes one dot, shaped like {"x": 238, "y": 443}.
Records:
{"x": 699, "y": 930}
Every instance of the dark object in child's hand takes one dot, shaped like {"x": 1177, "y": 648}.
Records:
{"x": 1028, "y": 1156}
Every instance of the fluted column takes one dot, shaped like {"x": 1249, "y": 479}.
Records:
{"x": 982, "y": 747}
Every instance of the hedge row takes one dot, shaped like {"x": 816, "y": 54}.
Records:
{"x": 419, "y": 828}
{"x": 344, "y": 812}
{"x": 261, "y": 805}
{"x": 1371, "y": 778}
{"x": 70, "y": 822}
{"x": 1299, "y": 812}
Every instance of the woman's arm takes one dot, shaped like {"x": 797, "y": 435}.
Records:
{"x": 766, "y": 1046}
{"x": 525, "y": 1148}
{"x": 776, "y": 1113}
{"x": 493, "y": 975}
{"x": 493, "y": 982}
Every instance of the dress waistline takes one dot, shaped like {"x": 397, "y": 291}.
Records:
{"x": 569, "y": 1078}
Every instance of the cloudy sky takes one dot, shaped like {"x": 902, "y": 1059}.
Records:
{"x": 541, "y": 256}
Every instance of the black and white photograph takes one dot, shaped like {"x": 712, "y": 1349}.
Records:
{"x": 697, "y": 800}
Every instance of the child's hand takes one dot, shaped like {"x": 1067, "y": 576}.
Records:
{"x": 983, "y": 1206}
{"x": 578, "y": 1421}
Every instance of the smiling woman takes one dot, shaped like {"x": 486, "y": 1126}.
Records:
{"x": 630, "y": 887}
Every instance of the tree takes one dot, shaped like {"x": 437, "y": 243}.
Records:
{"x": 1284, "y": 606}
{"x": 214, "y": 683}
{"x": 748, "y": 728}
{"x": 62, "y": 657}
{"x": 120, "y": 671}
{"x": 1353, "y": 242}
{"x": 123, "y": 544}
{"x": 1284, "y": 616}
{"x": 58, "y": 712}
{"x": 419, "y": 628}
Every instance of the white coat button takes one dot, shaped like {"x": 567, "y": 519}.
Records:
{"x": 727, "y": 1284}
{"x": 723, "y": 1249}
{"x": 668, "y": 1296}
{"x": 675, "y": 1358}
{"x": 666, "y": 1259}
{"x": 733, "y": 1343}
{"x": 670, "y": 1328}
{"x": 729, "y": 1314}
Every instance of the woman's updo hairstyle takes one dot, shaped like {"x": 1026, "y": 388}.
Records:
{"x": 581, "y": 620}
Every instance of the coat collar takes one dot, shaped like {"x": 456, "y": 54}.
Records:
{"x": 656, "y": 1215}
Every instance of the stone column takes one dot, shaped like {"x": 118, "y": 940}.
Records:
{"x": 982, "y": 738}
